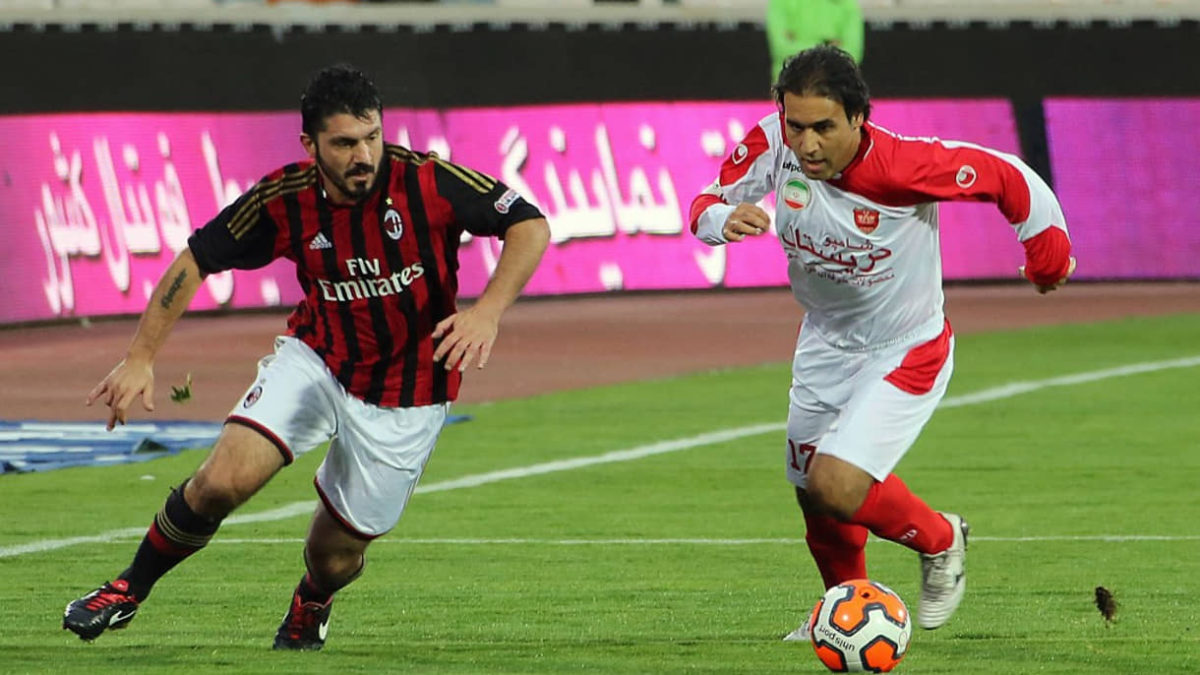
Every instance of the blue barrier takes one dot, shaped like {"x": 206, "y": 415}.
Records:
{"x": 31, "y": 445}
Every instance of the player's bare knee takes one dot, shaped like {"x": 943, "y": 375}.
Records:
{"x": 828, "y": 494}
{"x": 214, "y": 495}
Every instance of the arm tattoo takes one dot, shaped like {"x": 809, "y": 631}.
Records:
{"x": 169, "y": 296}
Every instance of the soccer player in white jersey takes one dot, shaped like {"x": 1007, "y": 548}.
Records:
{"x": 856, "y": 214}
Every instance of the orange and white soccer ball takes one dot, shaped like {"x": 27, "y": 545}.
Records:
{"x": 860, "y": 626}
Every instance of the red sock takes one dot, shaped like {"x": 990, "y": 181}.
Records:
{"x": 309, "y": 591}
{"x": 837, "y": 548}
{"x": 894, "y": 513}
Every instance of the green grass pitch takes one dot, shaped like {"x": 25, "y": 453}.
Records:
{"x": 684, "y": 561}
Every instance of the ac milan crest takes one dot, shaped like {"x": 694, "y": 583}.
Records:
{"x": 253, "y": 396}
{"x": 392, "y": 224}
{"x": 866, "y": 219}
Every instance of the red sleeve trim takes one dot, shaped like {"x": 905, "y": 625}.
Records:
{"x": 1047, "y": 257}
{"x": 919, "y": 370}
{"x": 699, "y": 205}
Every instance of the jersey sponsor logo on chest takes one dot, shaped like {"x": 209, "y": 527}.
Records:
{"x": 845, "y": 260}
{"x": 368, "y": 281}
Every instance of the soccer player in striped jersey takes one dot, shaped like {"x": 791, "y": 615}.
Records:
{"x": 856, "y": 215}
{"x": 371, "y": 358}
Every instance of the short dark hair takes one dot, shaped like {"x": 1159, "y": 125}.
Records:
{"x": 824, "y": 71}
{"x": 337, "y": 89}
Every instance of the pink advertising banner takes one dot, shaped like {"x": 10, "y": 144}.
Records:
{"x": 1128, "y": 174}
{"x": 95, "y": 206}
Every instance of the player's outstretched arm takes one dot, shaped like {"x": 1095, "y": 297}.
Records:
{"x": 469, "y": 335}
{"x": 134, "y": 375}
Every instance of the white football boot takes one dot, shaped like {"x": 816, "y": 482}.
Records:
{"x": 944, "y": 578}
{"x": 801, "y": 634}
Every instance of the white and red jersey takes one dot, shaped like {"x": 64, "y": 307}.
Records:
{"x": 862, "y": 248}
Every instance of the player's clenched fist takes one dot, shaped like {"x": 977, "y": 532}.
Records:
{"x": 1045, "y": 288}
{"x": 745, "y": 220}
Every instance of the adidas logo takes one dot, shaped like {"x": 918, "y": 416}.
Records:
{"x": 319, "y": 242}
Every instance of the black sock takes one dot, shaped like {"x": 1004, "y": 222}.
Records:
{"x": 176, "y": 533}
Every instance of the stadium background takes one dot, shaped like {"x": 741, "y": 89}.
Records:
{"x": 1098, "y": 97}
{"x": 682, "y": 562}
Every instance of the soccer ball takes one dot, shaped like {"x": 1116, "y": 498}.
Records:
{"x": 860, "y": 626}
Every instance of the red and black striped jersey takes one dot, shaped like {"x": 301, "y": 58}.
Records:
{"x": 377, "y": 275}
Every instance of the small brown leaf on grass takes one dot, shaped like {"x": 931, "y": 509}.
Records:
{"x": 1106, "y": 603}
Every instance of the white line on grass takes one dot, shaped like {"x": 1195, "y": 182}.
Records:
{"x": 1017, "y": 388}
{"x": 51, "y": 544}
{"x": 1107, "y": 538}
{"x": 301, "y": 508}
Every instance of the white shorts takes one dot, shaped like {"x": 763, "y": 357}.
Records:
{"x": 376, "y": 455}
{"x": 866, "y": 408}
